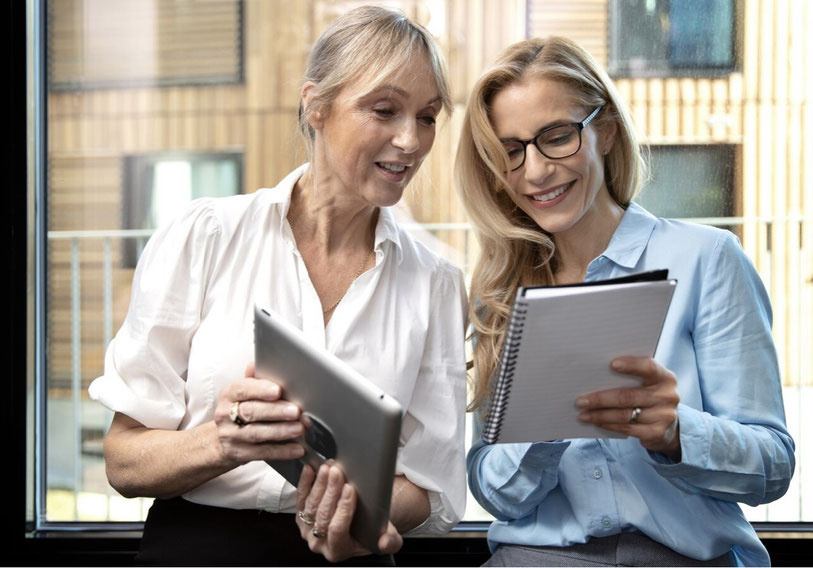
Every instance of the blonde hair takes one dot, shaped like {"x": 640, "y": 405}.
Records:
{"x": 370, "y": 43}
{"x": 515, "y": 251}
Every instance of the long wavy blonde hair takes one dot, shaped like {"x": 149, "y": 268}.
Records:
{"x": 514, "y": 250}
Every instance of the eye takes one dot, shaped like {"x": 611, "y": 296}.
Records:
{"x": 428, "y": 120}
{"x": 559, "y": 136}
{"x": 384, "y": 112}
{"x": 513, "y": 150}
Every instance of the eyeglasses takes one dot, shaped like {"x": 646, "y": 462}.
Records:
{"x": 555, "y": 142}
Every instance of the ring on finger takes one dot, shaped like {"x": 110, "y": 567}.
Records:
{"x": 305, "y": 518}
{"x": 234, "y": 414}
{"x": 318, "y": 533}
{"x": 636, "y": 412}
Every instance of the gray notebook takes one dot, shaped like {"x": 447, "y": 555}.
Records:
{"x": 559, "y": 345}
{"x": 353, "y": 422}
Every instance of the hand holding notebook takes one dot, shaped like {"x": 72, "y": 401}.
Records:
{"x": 559, "y": 345}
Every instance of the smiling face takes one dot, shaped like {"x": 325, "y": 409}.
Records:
{"x": 562, "y": 195}
{"x": 369, "y": 146}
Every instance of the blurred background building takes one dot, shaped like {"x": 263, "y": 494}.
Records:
{"x": 151, "y": 103}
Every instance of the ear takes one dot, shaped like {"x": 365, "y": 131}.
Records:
{"x": 607, "y": 137}
{"x": 315, "y": 115}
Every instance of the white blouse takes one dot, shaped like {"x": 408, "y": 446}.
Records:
{"x": 189, "y": 331}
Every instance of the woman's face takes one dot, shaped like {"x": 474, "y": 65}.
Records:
{"x": 370, "y": 147}
{"x": 559, "y": 194}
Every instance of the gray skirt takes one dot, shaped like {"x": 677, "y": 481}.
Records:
{"x": 625, "y": 549}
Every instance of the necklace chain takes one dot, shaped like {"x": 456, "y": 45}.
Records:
{"x": 358, "y": 273}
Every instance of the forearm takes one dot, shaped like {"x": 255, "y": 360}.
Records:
{"x": 145, "y": 462}
{"x": 746, "y": 463}
{"x": 409, "y": 506}
{"x": 510, "y": 480}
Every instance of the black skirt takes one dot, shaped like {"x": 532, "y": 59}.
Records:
{"x": 178, "y": 532}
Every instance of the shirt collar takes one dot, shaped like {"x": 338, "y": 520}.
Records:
{"x": 631, "y": 236}
{"x": 386, "y": 228}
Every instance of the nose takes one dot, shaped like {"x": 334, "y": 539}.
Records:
{"x": 537, "y": 165}
{"x": 406, "y": 137}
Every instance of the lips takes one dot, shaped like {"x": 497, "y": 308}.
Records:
{"x": 391, "y": 167}
{"x": 550, "y": 195}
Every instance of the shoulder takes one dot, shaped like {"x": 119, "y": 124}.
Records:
{"x": 417, "y": 256}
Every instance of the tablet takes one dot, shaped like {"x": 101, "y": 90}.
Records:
{"x": 353, "y": 422}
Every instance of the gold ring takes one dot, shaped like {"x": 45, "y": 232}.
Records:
{"x": 317, "y": 533}
{"x": 636, "y": 412}
{"x": 305, "y": 518}
{"x": 234, "y": 414}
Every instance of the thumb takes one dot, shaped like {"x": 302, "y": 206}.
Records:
{"x": 249, "y": 370}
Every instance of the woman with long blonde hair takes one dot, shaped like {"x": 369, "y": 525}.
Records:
{"x": 548, "y": 165}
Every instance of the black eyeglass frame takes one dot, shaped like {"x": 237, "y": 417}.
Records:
{"x": 579, "y": 126}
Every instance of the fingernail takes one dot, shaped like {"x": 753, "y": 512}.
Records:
{"x": 291, "y": 411}
{"x": 581, "y": 402}
{"x": 617, "y": 365}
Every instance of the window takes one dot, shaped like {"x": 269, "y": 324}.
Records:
{"x": 164, "y": 42}
{"x": 157, "y": 187}
{"x": 120, "y": 118}
{"x": 671, "y": 37}
{"x": 690, "y": 181}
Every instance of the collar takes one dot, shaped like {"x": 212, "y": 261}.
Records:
{"x": 631, "y": 236}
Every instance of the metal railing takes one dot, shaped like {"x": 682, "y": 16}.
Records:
{"x": 432, "y": 235}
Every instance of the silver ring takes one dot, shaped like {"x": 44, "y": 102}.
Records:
{"x": 234, "y": 414}
{"x": 307, "y": 519}
{"x": 317, "y": 533}
{"x": 636, "y": 412}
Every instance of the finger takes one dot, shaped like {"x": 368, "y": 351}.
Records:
{"x": 328, "y": 504}
{"x": 253, "y": 410}
{"x": 391, "y": 541}
{"x": 612, "y": 416}
{"x": 343, "y": 514}
{"x": 249, "y": 370}
{"x": 317, "y": 491}
{"x": 625, "y": 398}
{"x": 248, "y": 389}
{"x": 645, "y": 368}
{"x": 303, "y": 488}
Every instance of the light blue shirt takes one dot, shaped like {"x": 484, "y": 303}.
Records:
{"x": 734, "y": 442}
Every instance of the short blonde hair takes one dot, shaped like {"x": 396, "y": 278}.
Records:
{"x": 370, "y": 43}
{"x": 514, "y": 249}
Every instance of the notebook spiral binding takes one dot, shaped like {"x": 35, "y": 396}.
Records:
{"x": 508, "y": 360}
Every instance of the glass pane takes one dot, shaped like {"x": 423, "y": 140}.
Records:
{"x": 125, "y": 155}
{"x": 136, "y": 120}
{"x": 671, "y": 37}
{"x": 690, "y": 181}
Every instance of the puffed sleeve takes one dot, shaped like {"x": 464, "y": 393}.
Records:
{"x": 737, "y": 447}
{"x": 433, "y": 455}
{"x": 146, "y": 363}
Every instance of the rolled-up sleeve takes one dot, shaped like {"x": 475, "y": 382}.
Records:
{"x": 433, "y": 452}
{"x": 146, "y": 363}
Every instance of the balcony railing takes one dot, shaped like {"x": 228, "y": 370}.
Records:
{"x": 75, "y": 473}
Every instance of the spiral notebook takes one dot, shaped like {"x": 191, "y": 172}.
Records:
{"x": 559, "y": 345}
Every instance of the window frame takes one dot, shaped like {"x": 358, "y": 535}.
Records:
{"x": 30, "y": 536}
{"x": 616, "y": 70}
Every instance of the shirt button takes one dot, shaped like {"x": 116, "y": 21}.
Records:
{"x": 597, "y": 474}
{"x": 606, "y": 522}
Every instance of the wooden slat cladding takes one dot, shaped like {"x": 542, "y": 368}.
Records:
{"x": 584, "y": 21}
{"x": 101, "y": 43}
{"x": 764, "y": 110}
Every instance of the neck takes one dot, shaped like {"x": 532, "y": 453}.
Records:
{"x": 579, "y": 245}
{"x": 327, "y": 220}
